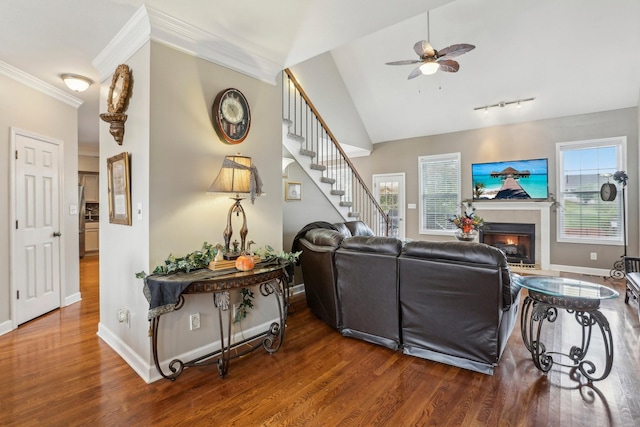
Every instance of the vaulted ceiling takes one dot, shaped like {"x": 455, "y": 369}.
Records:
{"x": 572, "y": 56}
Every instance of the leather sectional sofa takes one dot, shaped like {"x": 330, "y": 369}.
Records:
{"x": 450, "y": 302}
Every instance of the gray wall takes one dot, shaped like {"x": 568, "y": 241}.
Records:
{"x": 519, "y": 141}
{"x": 175, "y": 156}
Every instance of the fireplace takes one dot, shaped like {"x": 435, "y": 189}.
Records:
{"x": 517, "y": 241}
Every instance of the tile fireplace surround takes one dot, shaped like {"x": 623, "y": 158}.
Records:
{"x": 523, "y": 212}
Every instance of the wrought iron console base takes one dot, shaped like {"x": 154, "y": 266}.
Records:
{"x": 539, "y": 307}
{"x": 271, "y": 282}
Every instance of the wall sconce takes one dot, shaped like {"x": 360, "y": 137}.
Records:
{"x": 503, "y": 104}
{"x": 76, "y": 82}
{"x": 237, "y": 176}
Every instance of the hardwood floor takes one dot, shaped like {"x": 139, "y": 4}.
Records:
{"x": 57, "y": 372}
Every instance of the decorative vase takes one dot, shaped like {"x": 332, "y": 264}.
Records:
{"x": 466, "y": 237}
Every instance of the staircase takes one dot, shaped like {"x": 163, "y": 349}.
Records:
{"x": 317, "y": 151}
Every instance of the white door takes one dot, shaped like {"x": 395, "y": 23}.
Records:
{"x": 389, "y": 192}
{"x": 36, "y": 254}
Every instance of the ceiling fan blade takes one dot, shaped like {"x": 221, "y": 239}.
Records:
{"x": 405, "y": 62}
{"x": 455, "y": 50}
{"x": 415, "y": 73}
{"x": 449, "y": 65}
{"x": 424, "y": 49}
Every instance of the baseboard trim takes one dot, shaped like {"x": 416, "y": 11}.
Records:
{"x": 297, "y": 289}
{"x": 137, "y": 363}
{"x": 6, "y": 327}
{"x": 581, "y": 270}
{"x": 147, "y": 369}
{"x": 72, "y": 299}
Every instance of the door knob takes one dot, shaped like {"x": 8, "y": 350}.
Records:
{"x": 57, "y": 234}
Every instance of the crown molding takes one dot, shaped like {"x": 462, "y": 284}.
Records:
{"x": 135, "y": 34}
{"x": 151, "y": 24}
{"x": 39, "y": 85}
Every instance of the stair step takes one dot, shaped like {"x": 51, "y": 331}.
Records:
{"x": 346, "y": 204}
{"x": 317, "y": 167}
{"x": 327, "y": 180}
{"x": 337, "y": 192}
{"x": 287, "y": 122}
{"x": 308, "y": 153}
{"x": 354, "y": 214}
{"x": 295, "y": 137}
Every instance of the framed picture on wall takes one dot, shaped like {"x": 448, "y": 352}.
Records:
{"x": 119, "y": 195}
{"x": 293, "y": 191}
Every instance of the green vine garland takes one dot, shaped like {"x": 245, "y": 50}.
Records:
{"x": 202, "y": 258}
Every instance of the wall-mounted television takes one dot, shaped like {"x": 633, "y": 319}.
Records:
{"x": 511, "y": 180}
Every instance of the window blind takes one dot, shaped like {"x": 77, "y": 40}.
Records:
{"x": 439, "y": 191}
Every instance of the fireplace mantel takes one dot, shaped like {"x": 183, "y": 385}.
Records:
{"x": 528, "y": 211}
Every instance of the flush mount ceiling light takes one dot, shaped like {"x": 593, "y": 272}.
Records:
{"x": 76, "y": 82}
{"x": 502, "y": 104}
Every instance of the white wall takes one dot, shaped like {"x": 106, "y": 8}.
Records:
{"x": 323, "y": 84}
{"x": 124, "y": 250}
{"x": 29, "y": 109}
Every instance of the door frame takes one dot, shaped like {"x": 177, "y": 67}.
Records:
{"x": 13, "y": 217}
{"x": 402, "y": 194}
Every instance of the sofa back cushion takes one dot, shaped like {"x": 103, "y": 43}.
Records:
{"x": 368, "y": 289}
{"x": 465, "y": 253}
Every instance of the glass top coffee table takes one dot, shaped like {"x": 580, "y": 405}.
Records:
{"x": 580, "y": 298}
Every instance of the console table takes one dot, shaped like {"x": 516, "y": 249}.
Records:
{"x": 582, "y": 299}
{"x": 272, "y": 279}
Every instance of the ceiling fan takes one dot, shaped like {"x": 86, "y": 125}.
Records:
{"x": 432, "y": 60}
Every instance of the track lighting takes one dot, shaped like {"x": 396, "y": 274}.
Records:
{"x": 503, "y": 104}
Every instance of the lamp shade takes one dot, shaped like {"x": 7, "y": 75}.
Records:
{"x": 234, "y": 176}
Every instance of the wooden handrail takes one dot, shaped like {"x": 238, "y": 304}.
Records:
{"x": 339, "y": 148}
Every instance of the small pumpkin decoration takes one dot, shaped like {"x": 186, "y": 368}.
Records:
{"x": 245, "y": 262}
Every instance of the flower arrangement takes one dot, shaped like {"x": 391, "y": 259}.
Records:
{"x": 468, "y": 221}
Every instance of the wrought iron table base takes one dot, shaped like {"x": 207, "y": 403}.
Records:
{"x": 271, "y": 339}
{"x": 539, "y": 307}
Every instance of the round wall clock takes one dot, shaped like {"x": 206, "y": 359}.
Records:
{"x": 608, "y": 192}
{"x": 231, "y": 116}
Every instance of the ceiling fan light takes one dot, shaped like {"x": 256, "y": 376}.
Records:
{"x": 75, "y": 82}
{"x": 429, "y": 68}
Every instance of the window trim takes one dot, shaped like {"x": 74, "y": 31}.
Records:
{"x": 618, "y": 141}
{"x": 437, "y": 157}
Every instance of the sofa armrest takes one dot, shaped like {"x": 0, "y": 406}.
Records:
{"x": 324, "y": 237}
{"x": 358, "y": 228}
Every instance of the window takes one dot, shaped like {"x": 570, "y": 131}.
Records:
{"x": 439, "y": 192}
{"x": 583, "y": 167}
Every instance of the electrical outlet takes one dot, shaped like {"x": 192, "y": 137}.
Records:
{"x": 194, "y": 321}
{"x": 594, "y": 256}
{"x": 234, "y": 310}
{"x": 123, "y": 317}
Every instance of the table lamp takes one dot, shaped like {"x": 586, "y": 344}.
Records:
{"x": 237, "y": 176}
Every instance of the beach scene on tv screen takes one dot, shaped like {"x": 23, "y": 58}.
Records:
{"x": 519, "y": 179}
